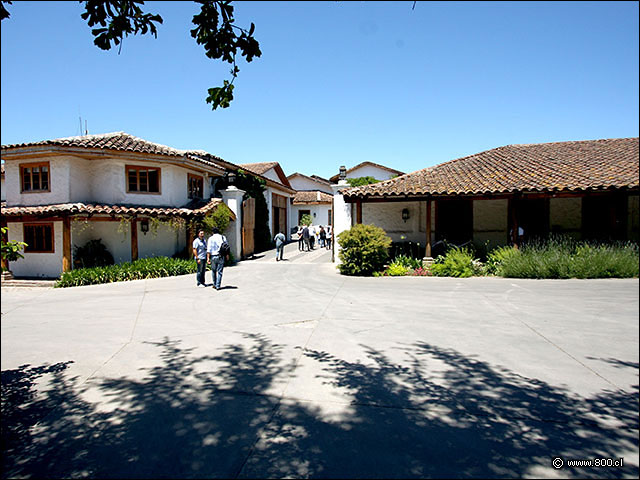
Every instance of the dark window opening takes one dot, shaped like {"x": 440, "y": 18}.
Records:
{"x": 39, "y": 238}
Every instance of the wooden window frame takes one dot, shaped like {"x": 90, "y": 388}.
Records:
{"x": 29, "y": 248}
{"x": 138, "y": 168}
{"x": 198, "y": 178}
{"x": 32, "y": 165}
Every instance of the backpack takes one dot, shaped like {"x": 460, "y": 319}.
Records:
{"x": 224, "y": 248}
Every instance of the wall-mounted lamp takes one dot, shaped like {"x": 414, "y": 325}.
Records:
{"x": 314, "y": 214}
{"x": 231, "y": 178}
{"x": 144, "y": 226}
{"x": 405, "y": 214}
{"x": 343, "y": 173}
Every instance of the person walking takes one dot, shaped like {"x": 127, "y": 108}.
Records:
{"x": 200, "y": 255}
{"x": 214, "y": 258}
{"x": 305, "y": 236}
{"x": 280, "y": 240}
{"x": 323, "y": 237}
{"x": 328, "y": 240}
{"x": 300, "y": 239}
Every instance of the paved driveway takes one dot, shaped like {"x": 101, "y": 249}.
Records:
{"x": 292, "y": 370}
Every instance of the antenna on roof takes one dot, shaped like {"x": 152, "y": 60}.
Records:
{"x": 86, "y": 130}
{"x": 80, "y": 117}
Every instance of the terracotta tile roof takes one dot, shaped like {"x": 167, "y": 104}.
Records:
{"x": 559, "y": 166}
{"x": 312, "y": 197}
{"x": 192, "y": 209}
{"x": 122, "y": 142}
{"x": 264, "y": 167}
{"x": 365, "y": 164}
{"x": 259, "y": 168}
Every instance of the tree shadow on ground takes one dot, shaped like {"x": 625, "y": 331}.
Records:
{"x": 436, "y": 413}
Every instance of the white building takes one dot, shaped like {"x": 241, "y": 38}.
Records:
{"x": 586, "y": 190}
{"x": 369, "y": 169}
{"x": 313, "y": 197}
{"x": 278, "y": 195}
{"x": 140, "y": 198}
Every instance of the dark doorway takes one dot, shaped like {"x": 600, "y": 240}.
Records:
{"x": 454, "y": 220}
{"x": 604, "y": 217}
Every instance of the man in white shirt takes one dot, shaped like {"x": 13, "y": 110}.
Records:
{"x": 214, "y": 258}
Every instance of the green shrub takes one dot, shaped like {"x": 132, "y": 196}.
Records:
{"x": 406, "y": 261}
{"x": 11, "y": 250}
{"x": 94, "y": 253}
{"x": 497, "y": 257}
{"x": 220, "y": 218}
{"x": 457, "y": 262}
{"x": 156, "y": 267}
{"x": 397, "y": 270}
{"x": 364, "y": 250}
{"x": 563, "y": 257}
{"x": 359, "y": 181}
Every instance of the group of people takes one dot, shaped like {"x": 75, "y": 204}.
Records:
{"x": 208, "y": 253}
{"x": 308, "y": 235}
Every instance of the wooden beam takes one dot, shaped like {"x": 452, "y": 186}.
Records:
{"x": 359, "y": 211}
{"x": 427, "y": 252}
{"x": 66, "y": 244}
{"x": 134, "y": 239}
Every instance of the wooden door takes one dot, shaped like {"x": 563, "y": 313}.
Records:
{"x": 248, "y": 226}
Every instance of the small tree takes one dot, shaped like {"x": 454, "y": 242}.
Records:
{"x": 220, "y": 217}
{"x": 364, "y": 250}
{"x": 359, "y": 181}
{"x": 11, "y": 250}
{"x": 306, "y": 220}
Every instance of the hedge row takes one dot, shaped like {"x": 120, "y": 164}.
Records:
{"x": 155, "y": 267}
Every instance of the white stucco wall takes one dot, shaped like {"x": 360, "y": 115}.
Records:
{"x": 388, "y": 216}
{"x": 272, "y": 175}
{"x": 302, "y": 183}
{"x": 165, "y": 241}
{"x": 3, "y": 193}
{"x": 490, "y": 219}
{"x": 370, "y": 171}
{"x": 58, "y": 183}
{"x": 321, "y": 212}
{"x": 43, "y": 265}
{"x": 110, "y": 184}
{"x": 565, "y": 216}
{"x": 116, "y": 236}
{"x": 103, "y": 181}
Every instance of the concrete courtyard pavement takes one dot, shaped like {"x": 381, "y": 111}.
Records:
{"x": 292, "y": 370}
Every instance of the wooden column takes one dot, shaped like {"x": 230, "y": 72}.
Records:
{"x": 66, "y": 244}
{"x": 359, "y": 211}
{"x": 134, "y": 239}
{"x": 513, "y": 207}
{"x": 427, "y": 252}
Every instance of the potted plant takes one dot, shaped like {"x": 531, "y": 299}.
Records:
{"x": 10, "y": 253}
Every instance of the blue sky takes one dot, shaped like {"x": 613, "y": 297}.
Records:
{"x": 338, "y": 83}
